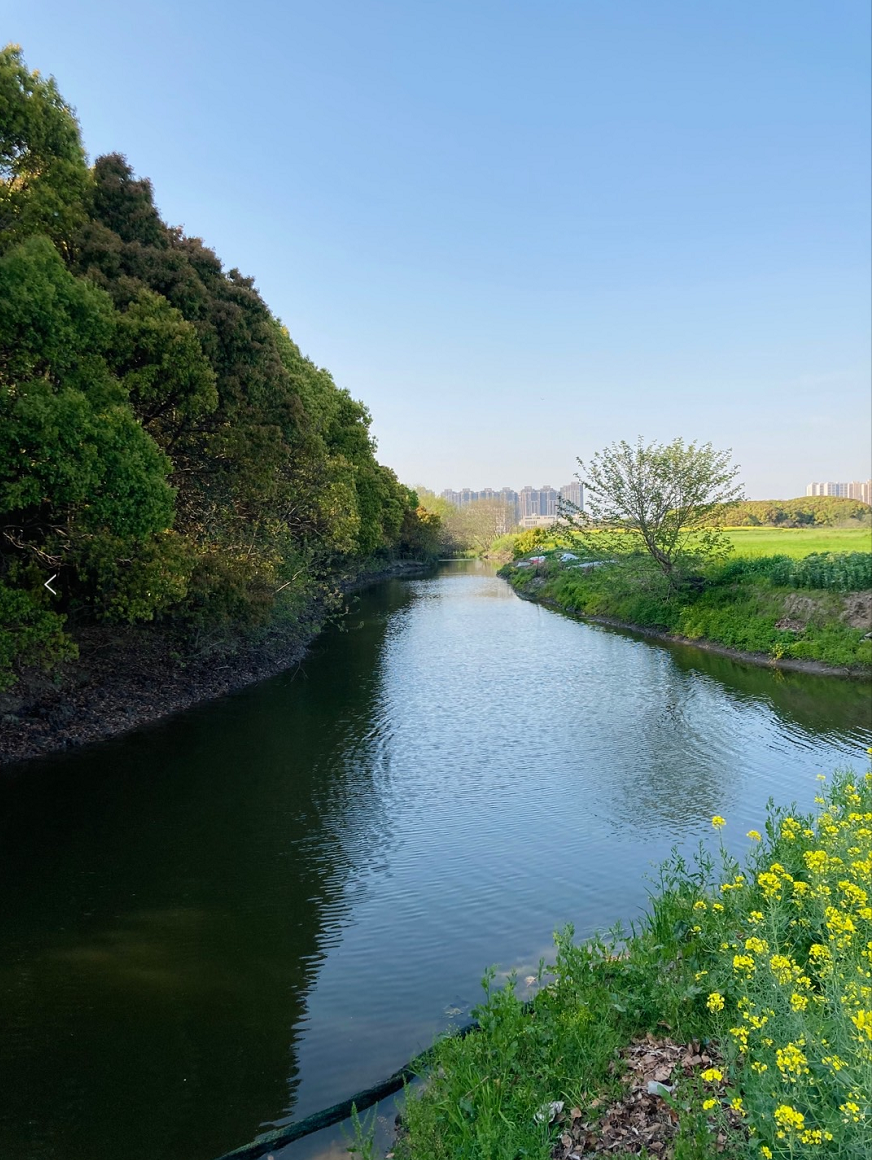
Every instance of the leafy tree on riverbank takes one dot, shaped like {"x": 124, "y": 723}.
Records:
{"x": 657, "y": 498}
{"x": 164, "y": 445}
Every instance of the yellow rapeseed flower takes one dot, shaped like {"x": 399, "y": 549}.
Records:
{"x": 757, "y": 1021}
{"x": 850, "y": 1111}
{"x": 740, "y": 1034}
{"x": 816, "y": 860}
{"x": 863, "y": 1022}
{"x": 791, "y": 1062}
{"x": 782, "y": 968}
{"x": 756, "y": 835}
{"x": 815, "y": 1136}
{"x": 715, "y": 1001}
{"x": 759, "y": 946}
{"x": 718, "y": 822}
{"x": 787, "y": 1117}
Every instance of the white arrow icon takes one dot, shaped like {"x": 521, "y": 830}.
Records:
{"x": 48, "y": 584}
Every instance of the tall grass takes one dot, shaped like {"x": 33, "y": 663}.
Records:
{"x": 839, "y": 572}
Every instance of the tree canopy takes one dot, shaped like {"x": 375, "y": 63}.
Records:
{"x": 164, "y": 444}
{"x": 803, "y": 512}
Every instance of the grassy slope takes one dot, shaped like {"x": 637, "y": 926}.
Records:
{"x": 768, "y": 963}
{"x": 736, "y": 608}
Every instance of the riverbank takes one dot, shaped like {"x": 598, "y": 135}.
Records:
{"x": 747, "y": 618}
{"x": 125, "y": 677}
{"x": 762, "y": 660}
{"x": 729, "y": 1021}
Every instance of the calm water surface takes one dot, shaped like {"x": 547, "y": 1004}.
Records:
{"x": 251, "y": 911}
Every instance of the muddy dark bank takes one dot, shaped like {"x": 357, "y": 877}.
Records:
{"x": 128, "y": 677}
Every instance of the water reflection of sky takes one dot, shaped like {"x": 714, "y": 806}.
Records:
{"x": 262, "y": 906}
{"x": 534, "y": 769}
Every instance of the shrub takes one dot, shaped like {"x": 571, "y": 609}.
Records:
{"x": 29, "y": 635}
{"x": 836, "y": 571}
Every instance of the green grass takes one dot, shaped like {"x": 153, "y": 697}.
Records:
{"x": 768, "y": 963}
{"x": 798, "y": 542}
{"x": 751, "y": 542}
{"x": 738, "y": 604}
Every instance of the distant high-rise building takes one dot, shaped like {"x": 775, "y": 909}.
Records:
{"x": 547, "y": 501}
{"x": 858, "y": 489}
{"x": 574, "y": 493}
{"x": 534, "y": 501}
{"x": 539, "y": 504}
{"x": 528, "y": 502}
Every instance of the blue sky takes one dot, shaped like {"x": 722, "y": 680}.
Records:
{"x": 521, "y": 230}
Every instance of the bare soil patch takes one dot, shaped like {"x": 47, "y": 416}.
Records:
{"x": 641, "y": 1121}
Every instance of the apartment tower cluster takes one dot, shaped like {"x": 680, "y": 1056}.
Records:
{"x": 532, "y": 506}
{"x": 859, "y": 489}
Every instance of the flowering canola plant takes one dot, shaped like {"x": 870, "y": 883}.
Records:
{"x": 788, "y": 948}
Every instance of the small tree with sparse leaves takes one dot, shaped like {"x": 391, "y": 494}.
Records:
{"x": 659, "y": 498}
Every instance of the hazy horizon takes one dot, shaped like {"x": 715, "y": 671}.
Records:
{"x": 520, "y": 232}
{"x": 421, "y": 483}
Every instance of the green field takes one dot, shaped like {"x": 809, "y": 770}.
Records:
{"x": 793, "y": 542}
{"x": 797, "y": 542}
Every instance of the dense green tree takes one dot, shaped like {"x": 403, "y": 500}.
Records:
{"x": 158, "y": 357}
{"x": 163, "y": 441}
{"x": 77, "y": 470}
{"x": 805, "y": 511}
{"x": 43, "y": 175}
{"x": 421, "y": 529}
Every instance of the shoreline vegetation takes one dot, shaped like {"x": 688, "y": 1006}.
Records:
{"x": 761, "y": 660}
{"x": 734, "y": 1019}
{"x": 812, "y": 613}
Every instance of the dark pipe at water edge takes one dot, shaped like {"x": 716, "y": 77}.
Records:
{"x": 338, "y": 1112}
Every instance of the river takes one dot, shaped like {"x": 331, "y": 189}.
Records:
{"x": 253, "y": 909}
